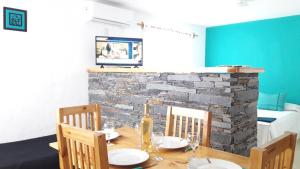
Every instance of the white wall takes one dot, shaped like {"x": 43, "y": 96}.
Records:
{"x": 173, "y": 51}
{"x": 45, "y": 68}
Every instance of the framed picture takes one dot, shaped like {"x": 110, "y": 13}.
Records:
{"x": 14, "y": 19}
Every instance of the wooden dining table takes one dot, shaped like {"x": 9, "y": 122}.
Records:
{"x": 177, "y": 159}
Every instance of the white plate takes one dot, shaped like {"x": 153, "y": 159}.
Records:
{"x": 112, "y": 135}
{"x": 202, "y": 163}
{"x": 169, "y": 142}
{"x": 127, "y": 156}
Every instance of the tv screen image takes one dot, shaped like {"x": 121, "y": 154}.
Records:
{"x": 119, "y": 51}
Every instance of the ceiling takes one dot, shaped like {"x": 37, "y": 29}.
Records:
{"x": 213, "y": 12}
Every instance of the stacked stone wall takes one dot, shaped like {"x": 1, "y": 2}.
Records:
{"x": 231, "y": 97}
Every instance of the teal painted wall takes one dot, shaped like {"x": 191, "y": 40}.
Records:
{"x": 273, "y": 44}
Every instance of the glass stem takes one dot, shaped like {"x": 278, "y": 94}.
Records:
{"x": 194, "y": 152}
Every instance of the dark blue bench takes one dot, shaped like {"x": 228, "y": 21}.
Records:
{"x": 29, "y": 154}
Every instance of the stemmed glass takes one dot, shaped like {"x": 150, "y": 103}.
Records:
{"x": 108, "y": 128}
{"x": 157, "y": 140}
{"x": 194, "y": 141}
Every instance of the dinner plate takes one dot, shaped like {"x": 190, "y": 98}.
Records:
{"x": 202, "y": 163}
{"x": 127, "y": 156}
{"x": 112, "y": 134}
{"x": 169, "y": 142}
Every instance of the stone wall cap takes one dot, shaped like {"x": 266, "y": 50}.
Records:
{"x": 225, "y": 69}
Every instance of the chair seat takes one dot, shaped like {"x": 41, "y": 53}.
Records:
{"x": 29, "y": 154}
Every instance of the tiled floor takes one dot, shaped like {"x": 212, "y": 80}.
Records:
{"x": 297, "y": 156}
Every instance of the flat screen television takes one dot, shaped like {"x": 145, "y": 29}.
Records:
{"x": 119, "y": 51}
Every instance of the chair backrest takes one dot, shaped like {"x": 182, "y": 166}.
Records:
{"x": 85, "y": 116}
{"x": 189, "y": 119}
{"x": 278, "y": 154}
{"x": 82, "y": 148}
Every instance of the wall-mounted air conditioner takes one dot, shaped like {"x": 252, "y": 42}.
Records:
{"x": 99, "y": 12}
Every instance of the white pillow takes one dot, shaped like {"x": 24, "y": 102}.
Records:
{"x": 292, "y": 107}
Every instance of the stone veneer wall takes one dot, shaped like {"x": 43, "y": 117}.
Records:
{"x": 232, "y": 98}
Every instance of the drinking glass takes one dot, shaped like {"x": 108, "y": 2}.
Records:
{"x": 108, "y": 128}
{"x": 157, "y": 140}
{"x": 194, "y": 141}
{"x": 137, "y": 129}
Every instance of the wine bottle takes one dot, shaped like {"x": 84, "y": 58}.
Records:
{"x": 146, "y": 130}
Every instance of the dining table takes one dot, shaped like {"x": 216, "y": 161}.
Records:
{"x": 175, "y": 159}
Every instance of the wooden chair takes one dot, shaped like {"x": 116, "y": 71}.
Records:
{"x": 279, "y": 154}
{"x": 189, "y": 117}
{"x": 82, "y": 148}
{"x": 85, "y": 116}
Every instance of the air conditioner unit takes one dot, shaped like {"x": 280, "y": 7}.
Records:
{"x": 99, "y": 12}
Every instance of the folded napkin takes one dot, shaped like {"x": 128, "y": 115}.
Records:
{"x": 266, "y": 119}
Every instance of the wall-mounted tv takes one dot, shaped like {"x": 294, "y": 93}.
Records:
{"x": 119, "y": 51}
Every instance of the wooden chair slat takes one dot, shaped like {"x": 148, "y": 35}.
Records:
{"x": 186, "y": 127}
{"x": 70, "y": 157}
{"x": 97, "y": 118}
{"x": 86, "y": 120}
{"x": 169, "y": 122}
{"x": 281, "y": 164}
{"x": 93, "y": 158}
{"x": 272, "y": 163}
{"x": 81, "y": 158}
{"x": 174, "y": 124}
{"x": 74, "y": 154}
{"x": 80, "y": 120}
{"x": 180, "y": 126}
{"x": 92, "y": 124}
{"x": 87, "y": 155}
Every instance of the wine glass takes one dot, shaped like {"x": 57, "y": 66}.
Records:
{"x": 157, "y": 140}
{"x": 108, "y": 128}
{"x": 194, "y": 141}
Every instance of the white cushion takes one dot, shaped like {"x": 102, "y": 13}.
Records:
{"x": 292, "y": 107}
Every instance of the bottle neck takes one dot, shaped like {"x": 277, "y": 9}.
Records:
{"x": 146, "y": 114}
{"x": 146, "y": 110}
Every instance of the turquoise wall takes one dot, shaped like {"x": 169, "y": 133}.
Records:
{"x": 273, "y": 44}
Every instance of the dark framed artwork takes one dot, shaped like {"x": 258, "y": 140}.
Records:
{"x": 14, "y": 19}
